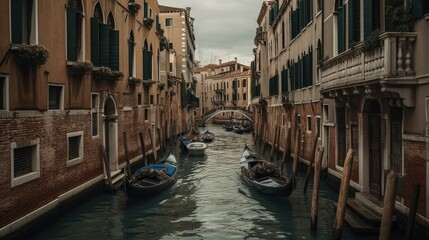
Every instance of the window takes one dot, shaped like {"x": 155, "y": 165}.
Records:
{"x": 244, "y": 96}
{"x": 147, "y": 62}
{"x": 75, "y": 30}
{"x": 3, "y": 93}
{"x": 25, "y": 161}
{"x": 354, "y": 22}
{"x": 104, "y": 40}
{"x": 298, "y": 120}
{"x": 420, "y": 8}
{"x": 283, "y": 119}
{"x": 55, "y": 97}
{"x": 94, "y": 114}
{"x": 151, "y": 99}
{"x": 139, "y": 99}
{"x": 171, "y": 46}
{"x": 341, "y": 26}
{"x": 24, "y": 21}
{"x": 131, "y": 44}
{"x": 146, "y": 114}
{"x": 318, "y": 126}
{"x": 308, "y": 123}
{"x": 74, "y": 148}
{"x": 169, "y": 22}
{"x": 319, "y": 5}
{"x": 372, "y": 16}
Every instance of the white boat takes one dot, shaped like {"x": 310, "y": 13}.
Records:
{"x": 196, "y": 148}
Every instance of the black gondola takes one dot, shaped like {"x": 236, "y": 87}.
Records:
{"x": 152, "y": 179}
{"x": 208, "y": 136}
{"x": 263, "y": 175}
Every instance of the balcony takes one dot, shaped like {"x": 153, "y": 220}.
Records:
{"x": 260, "y": 37}
{"x": 220, "y": 91}
{"x": 218, "y": 102}
{"x": 391, "y": 63}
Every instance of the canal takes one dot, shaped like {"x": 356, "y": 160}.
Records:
{"x": 208, "y": 201}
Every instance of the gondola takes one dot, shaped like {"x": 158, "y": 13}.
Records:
{"x": 263, "y": 175}
{"x": 208, "y": 136}
{"x": 152, "y": 179}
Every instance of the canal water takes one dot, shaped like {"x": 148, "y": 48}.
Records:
{"x": 208, "y": 201}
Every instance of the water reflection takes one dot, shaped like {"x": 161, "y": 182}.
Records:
{"x": 208, "y": 201}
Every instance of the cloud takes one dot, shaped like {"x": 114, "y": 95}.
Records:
{"x": 224, "y": 29}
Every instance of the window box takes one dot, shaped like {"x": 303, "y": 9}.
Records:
{"x": 133, "y": 81}
{"x": 105, "y": 73}
{"x": 148, "y": 22}
{"x": 33, "y": 55}
{"x": 133, "y": 7}
{"x": 147, "y": 83}
{"x": 161, "y": 86}
{"x": 79, "y": 68}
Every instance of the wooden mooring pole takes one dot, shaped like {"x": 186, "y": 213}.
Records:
{"x": 388, "y": 205}
{"x": 412, "y": 213}
{"x": 273, "y": 145}
{"x": 143, "y": 147}
{"x": 152, "y": 141}
{"x": 286, "y": 149}
{"x": 126, "y": 153}
{"x": 297, "y": 147}
{"x": 316, "y": 184}
{"x": 342, "y": 197}
{"x": 310, "y": 162}
{"x": 161, "y": 145}
{"x": 107, "y": 166}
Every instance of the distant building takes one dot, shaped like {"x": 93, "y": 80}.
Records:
{"x": 222, "y": 86}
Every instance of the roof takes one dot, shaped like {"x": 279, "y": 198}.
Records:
{"x": 163, "y": 8}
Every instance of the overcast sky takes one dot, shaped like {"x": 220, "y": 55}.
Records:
{"x": 224, "y": 29}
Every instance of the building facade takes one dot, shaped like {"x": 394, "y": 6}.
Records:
{"x": 76, "y": 76}
{"x": 352, "y": 73}
{"x": 223, "y": 86}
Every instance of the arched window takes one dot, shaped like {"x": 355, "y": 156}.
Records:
{"x": 131, "y": 44}
{"x": 96, "y": 21}
{"x": 75, "y": 30}
{"x": 111, "y": 21}
{"x": 147, "y": 62}
{"x": 98, "y": 12}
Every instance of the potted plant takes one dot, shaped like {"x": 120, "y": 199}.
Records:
{"x": 79, "y": 68}
{"x": 134, "y": 81}
{"x": 133, "y": 7}
{"x": 147, "y": 83}
{"x": 161, "y": 86}
{"x": 148, "y": 22}
{"x": 105, "y": 73}
{"x": 29, "y": 54}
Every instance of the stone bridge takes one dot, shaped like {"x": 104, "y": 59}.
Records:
{"x": 212, "y": 113}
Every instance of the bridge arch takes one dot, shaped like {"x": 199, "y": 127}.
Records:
{"x": 244, "y": 113}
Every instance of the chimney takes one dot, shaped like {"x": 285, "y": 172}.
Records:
{"x": 235, "y": 59}
{"x": 236, "y": 65}
{"x": 220, "y": 61}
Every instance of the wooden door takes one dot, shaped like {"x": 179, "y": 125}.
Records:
{"x": 374, "y": 142}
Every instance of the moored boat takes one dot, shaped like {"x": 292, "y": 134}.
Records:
{"x": 208, "y": 136}
{"x": 152, "y": 179}
{"x": 263, "y": 175}
{"x": 196, "y": 148}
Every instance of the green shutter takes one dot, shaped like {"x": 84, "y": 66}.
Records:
{"x": 150, "y": 64}
{"x": 351, "y": 22}
{"x": 417, "y": 9}
{"x": 104, "y": 44}
{"x": 341, "y": 40}
{"x": 95, "y": 41}
{"x": 310, "y": 72}
{"x": 114, "y": 50}
{"x": 146, "y": 66}
{"x": 130, "y": 56}
{"x": 71, "y": 34}
{"x": 145, "y": 9}
{"x": 367, "y": 16}
{"x": 16, "y": 18}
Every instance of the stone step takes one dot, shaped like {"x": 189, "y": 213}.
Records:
{"x": 368, "y": 215}
{"x": 117, "y": 180}
{"x": 357, "y": 224}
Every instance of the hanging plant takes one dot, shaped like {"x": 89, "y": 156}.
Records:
{"x": 148, "y": 22}
{"x": 147, "y": 83}
{"x": 372, "y": 41}
{"x": 105, "y": 73}
{"x": 34, "y": 55}
{"x": 79, "y": 68}
{"x": 133, "y": 81}
{"x": 133, "y": 7}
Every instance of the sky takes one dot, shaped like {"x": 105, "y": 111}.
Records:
{"x": 224, "y": 29}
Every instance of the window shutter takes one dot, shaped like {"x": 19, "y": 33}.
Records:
{"x": 95, "y": 41}
{"x": 367, "y": 16}
{"x": 150, "y": 65}
{"x": 71, "y": 34}
{"x": 145, "y": 9}
{"x": 341, "y": 40}
{"x": 130, "y": 57}
{"x": 310, "y": 71}
{"x": 284, "y": 81}
{"x": 16, "y": 18}
{"x": 114, "y": 50}
{"x": 417, "y": 8}
{"x": 104, "y": 44}
{"x": 146, "y": 60}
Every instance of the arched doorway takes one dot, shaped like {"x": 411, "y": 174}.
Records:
{"x": 111, "y": 132}
{"x": 374, "y": 147}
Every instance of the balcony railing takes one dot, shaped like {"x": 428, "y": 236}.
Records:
{"x": 392, "y": 59}
{"x": 260, "y": 37}
{"x": 220, "y": 90}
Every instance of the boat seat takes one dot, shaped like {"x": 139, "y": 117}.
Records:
{"x": 146, "y": 182}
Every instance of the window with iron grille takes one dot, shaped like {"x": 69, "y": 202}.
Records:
{"x": 25, "y": 161}
{"x": 55, "y": 97}
{"x": 74, "y": 148}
